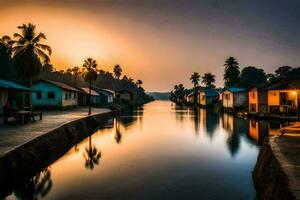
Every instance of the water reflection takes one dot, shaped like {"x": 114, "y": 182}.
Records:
{"x": 36, "y": 187}
{"x": 161, "y": 158}
{"x": 91, "y": 155}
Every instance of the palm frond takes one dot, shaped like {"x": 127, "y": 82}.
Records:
{"x": 45, "y": 47}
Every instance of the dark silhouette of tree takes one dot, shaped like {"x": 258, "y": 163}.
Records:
{"x": 29, "y": 54}
{"x": 251, "y": 76}
{"x": 89, "y": 74}
{"x": 195, "y": 78}
{"x": 91, "y": 155}
{"x": 208, "y": 80}
{"x": 7, "y": 69}
{"x": 139, "y": 83}
{"x": 117, "y": 71}
{"x": 36, "y": 187}
{"x": 232, "y": 72}
{"x": 283, "y": 72}
{"x": 271, "y": 78}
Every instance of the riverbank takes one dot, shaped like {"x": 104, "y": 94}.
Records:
{"x": 38, "y": 144}
{"x": 276, "y": 174}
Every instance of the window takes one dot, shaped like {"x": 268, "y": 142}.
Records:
{"x": 70, "y": 95}
{"x": 39, "y": 95}
{"x": 75, "y": 95}
{"x": 253, "y": 95}
{"x": 51, "y": 95}
{"x": 66, "y": 96}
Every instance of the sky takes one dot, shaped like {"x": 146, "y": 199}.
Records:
{"x": 162, "y": 42}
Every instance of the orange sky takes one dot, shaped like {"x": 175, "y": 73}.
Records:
{"x": 161, "y": 45}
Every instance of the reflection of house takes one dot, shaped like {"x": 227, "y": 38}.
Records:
{"x": 208, "y": 97}
{"x": 53, "y": 94}
{"x": 258, "y": 99}
{"x": 234, "y": 98}
{"x": 283, "y": 97}
{"x": 258, "y": 130}
{"x": 84, "y": 96}
{"x": 7, "y": 88}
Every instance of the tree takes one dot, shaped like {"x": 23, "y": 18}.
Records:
{"x": 90, "y": 75}
{"x": 139, "y": 83}
{"x": 195, "y": 78}
{"x": 92, "y": 155}
{"x": 208, "y": 80}
{"x": 7, "y": 69}
{"x": 232, "y": 72}
{"x": 283, "y": 72}
{"x": 117, "y": 71}
{"x": 29, "y": 54}
{"x": 271, "y": 78}
{"x": 251, "y": 75}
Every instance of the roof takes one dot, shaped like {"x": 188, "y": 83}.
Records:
{"x": 235, "y": 89}
{"x": 61, "y": 85}
{"x": 87, "y": 91}
{"x": 284, "y": 85}
{"x": 123, "y": 91}
{"x": 12, "y": 85}
{"x": 103, "y": 91}
{"x": 210, "y": 92}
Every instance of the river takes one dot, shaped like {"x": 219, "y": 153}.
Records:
{"x": 159, "y": 151}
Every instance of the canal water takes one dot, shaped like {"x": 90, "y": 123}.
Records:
{"x": 159, "y": 151}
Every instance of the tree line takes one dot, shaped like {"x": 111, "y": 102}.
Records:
{"x": 24, "y": 58}
{"x": 234, "y": 77}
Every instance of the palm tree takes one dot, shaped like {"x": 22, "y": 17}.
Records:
{"x": 92, "y": 155}
{"x": 29, "y": 54}
{"x": 90, "y": 74}
{"x": 232, "y": 71}
{"x": 76, "y": 72}
{"x": 208, "y": 79}
{"x": 195, "y": 78}
{"x": 117, "y": 71}
{"x": 7, "y": 43}
{"x": 139, "y": 83}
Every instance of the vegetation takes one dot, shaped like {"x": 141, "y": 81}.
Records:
{"x": 25, "y": 59}
{"x": 208, "y": 80}
{"x": 249, "y": 76}
{"x": 89, "y": 74}
{"x": 232, "y": 72}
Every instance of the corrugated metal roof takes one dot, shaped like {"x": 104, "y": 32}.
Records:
{"x": 87, "y": 91}
{"x": 211, "y": 92}
{"x": 236, "y": 89}
{"x": 12, "y": 85}
{"x": 61, "y": 85}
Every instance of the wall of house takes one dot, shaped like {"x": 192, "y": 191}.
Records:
{"x": 3, "y": 98}
{"x": 253, "y": 99}
{"x": 240, "y": 99}
{"x": 273, "y": 97}
{"x": 69, "y": 98}
{"x": 44, "y": 88}
{"x": 227, "y": 101}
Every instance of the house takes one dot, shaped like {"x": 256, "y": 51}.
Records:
{"x": 53, "y": 94}
{"x": 8, "y": 88}
{"x": 284, "y": 98}
{"x": 124, "y": 95}
{"x": 84, "y": 96}
{"x": 208, "y": 97}
{"x": 258, "y": 99}
{"x": 105, "y": 96}
{"x": 234, "y": 98}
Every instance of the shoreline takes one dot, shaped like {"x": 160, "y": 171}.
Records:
{"x": 275, "y": 174}
{"x": 24, "y": 161}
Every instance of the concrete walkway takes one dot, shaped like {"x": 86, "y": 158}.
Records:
{"x": 15, "y": 134}
{"x": 286, "y": 149}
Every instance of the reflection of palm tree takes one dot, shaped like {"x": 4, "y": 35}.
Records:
{"x": 39, "y": 185}
{"x": 196, "y": 120}
{"x": 118, "y": 136}
{"x": 91, "y": 155}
